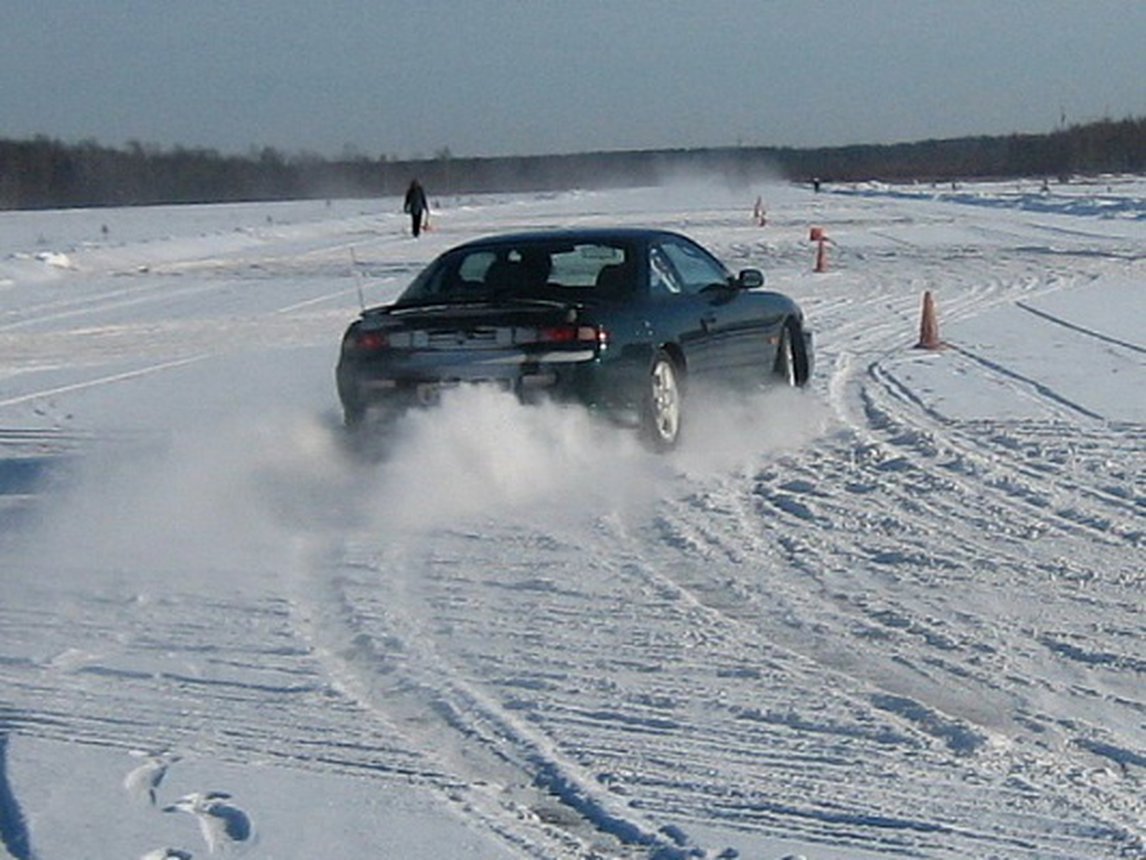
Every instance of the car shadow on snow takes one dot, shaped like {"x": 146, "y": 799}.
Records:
{"x": 26, "y": 477}
{"x": 13, "y": 828}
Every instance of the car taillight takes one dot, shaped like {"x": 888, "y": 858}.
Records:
{"x": 370, "y": 341}
{"x": 587, "y": 334}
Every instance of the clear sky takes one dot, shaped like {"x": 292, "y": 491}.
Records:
{"x": 506, "y": 77}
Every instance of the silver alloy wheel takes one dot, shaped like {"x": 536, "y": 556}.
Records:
{"x": 664, "y": 403}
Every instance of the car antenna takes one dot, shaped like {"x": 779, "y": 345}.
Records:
{"x": 357, "y": 279}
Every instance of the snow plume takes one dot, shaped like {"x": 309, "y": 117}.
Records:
{"x": 712, "y": 186}
{"x": 726, "y": 431}
{"x": 210, "y": 499}
{"x": 482, "y": 453}
{"x": 227, "y": 495}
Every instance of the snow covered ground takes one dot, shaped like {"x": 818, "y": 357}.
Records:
{"x": 899, "y": 614}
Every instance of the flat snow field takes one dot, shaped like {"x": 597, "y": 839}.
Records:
{"x": 897, "y": 614}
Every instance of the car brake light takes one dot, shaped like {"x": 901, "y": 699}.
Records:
{"x": 371, "y": 340}
{"x": 572, "y": 334}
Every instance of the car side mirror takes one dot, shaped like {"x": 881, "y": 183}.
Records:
{"x": 750, "y": 279}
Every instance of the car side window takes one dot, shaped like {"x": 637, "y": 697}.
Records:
{"x": 473, "y": 267}
{"x": 663, "y": 279}
{"x": 694, "y": 269}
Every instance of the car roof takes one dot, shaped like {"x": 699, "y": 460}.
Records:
{"x": 580, "y": 234}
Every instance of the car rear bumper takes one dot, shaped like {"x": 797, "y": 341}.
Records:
{"x": 582, "y": 376}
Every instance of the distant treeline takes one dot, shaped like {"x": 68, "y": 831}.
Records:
{"x": 45, "y": 173}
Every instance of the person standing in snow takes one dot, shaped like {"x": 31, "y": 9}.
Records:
{"x": 416, "y": 205}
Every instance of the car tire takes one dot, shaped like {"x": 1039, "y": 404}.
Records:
{"x": 353, "y": 416}
{"x": 662, "y": 414}
{"x": 790, "y": 368}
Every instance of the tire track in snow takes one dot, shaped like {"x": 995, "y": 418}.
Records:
{"x": 938, "y": 652}
{"x": 102, "y": 380}
{"x": 1082, "y": 329}
{"x": 696, "y": 707}
{"x": 1013, "y": 465}
{"x": 157, "y": 674}
{"x": 360, "y": 617}
{"x": 924, "y": 459}
{"x": 650, "y": 698}
{"x": 931, "y": 448}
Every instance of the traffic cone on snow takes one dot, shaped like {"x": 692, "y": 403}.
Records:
{"x": 817, "y": 235}
{"x": 929, "y": 325}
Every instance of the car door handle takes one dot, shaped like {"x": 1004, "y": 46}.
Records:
{"x": 707, "y": 321}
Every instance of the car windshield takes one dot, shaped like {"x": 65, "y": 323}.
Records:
{"x": 532, "y": 269}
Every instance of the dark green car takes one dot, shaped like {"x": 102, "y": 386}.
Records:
{"x": 625, "y": 321}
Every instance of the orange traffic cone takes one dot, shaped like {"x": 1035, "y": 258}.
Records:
{"x": 817, "y": 235}
{"x": 929, "y": 325}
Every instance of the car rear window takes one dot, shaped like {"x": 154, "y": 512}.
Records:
{"x": 533, "y": 269}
